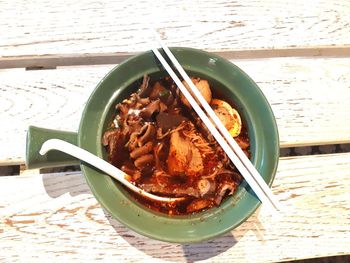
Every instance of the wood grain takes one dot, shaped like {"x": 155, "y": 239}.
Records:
{"x": 88, "y": 26}
{"x": 56, "y": 217}
{"x": 309, "y": 98}
{"x": 54, "y": 61}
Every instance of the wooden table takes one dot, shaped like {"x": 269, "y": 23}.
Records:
{"x": 53, "y": 54}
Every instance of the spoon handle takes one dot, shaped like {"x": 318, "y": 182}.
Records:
{"x": 56, "y": 144}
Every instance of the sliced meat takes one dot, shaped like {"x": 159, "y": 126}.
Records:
{"x": 143, "y": 101}
{"x": 168, "y": 121}
{"x": 145, "y": 88}
{"x": 226, "y": 188}
{"x": 115, "y": 141}
{"x": 168, "y": 99}
{"x": 196, "y": 163}
{"x": 202, "y": 85}
{"x": 164, "y": 148}
{"x": 108, "y": 135}
{"x": 133, "y": 123}
{"x": 184, "y": 157}
{"x": 198, "y": 204}
{"x": 228, "y": 175}
{"x": 158, "y": 90}
{"x": 150, "y": 109}
{"x": 162, "y": 93}
{"x": 168, "y": 185}
{"x": 170, "y": 190}
{"x": 122, "y": 108}
{"x": 162, "y": 107}
{"x": 131, "y": 101}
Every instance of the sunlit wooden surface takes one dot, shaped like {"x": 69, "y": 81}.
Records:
{"x": 304, "y": 95}
{"x": 298, "y": 53}
{"x": 56, "y": 216}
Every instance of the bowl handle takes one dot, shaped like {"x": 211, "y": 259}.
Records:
{"x": 36, "y": 137}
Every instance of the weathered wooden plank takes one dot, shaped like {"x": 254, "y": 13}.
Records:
{"x": 47, "y": 27}
{"x": 58, "y": 218}
{"x": 53, "y": 61}
{"x": 309, "y": 98}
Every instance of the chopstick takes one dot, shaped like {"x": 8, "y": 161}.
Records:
{"x": 233, "y": 151}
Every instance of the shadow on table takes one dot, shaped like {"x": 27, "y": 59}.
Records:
{"x": 74, "y": 184}
{"x": 189, "y": 252}
{"x": 171, "y": 251}
{"x": 57, "y": 184}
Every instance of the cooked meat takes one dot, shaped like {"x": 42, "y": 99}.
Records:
{"x": 184, "y": 157}
{"x": 226, "y": 188}
{"x": 158, "y": 90}
{"x": 203, "y": 87}
{"x": 166, "y": 184}
{"x": 227, "y": 174}
{"x": 164, "y": 148}
{"x": 169, "y": 190}
{"x": 150, "y": 109}
{"x": 107, "y": 136}
{"x": 132, "y": 123}
{"x": 162, "y": 107}
{"x": 122, "y": 108}
{"x": 114, "y": 140}
{"x": 145, "y": 88}
{"x": 143, "y": 101}
{"x": 198, "y": 205}
{"x": 168, "y": 121}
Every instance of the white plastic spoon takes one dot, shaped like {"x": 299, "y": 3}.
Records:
{"x": 56, "y": 144}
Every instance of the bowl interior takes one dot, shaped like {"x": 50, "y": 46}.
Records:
{"x": 230, "y": 83}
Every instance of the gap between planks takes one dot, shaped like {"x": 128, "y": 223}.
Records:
{"x": 52, "y": 61}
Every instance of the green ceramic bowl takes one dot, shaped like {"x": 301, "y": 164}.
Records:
{"x": 231, "y": 83}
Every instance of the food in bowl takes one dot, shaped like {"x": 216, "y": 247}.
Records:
{"x": 228, "y": 83}
{"x": 164, "y": 148}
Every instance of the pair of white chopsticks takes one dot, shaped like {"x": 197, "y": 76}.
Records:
{"x": 232, "y": 149}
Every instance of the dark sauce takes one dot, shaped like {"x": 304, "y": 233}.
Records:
{"x": 179, "y": 208}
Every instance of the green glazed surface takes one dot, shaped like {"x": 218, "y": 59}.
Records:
{"x": 36, "y": 137}
{"x": 231, "y": 83}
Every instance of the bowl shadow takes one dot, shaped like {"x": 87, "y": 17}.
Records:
{"x": 173, "y": 251}
{"x": 57, "y": 184}
{"x": 74, "y": 183}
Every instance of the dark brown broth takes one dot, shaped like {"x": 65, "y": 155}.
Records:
{"x": 175, "y": 181}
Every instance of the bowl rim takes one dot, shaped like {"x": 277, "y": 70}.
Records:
{"x": 188, "y": 239}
